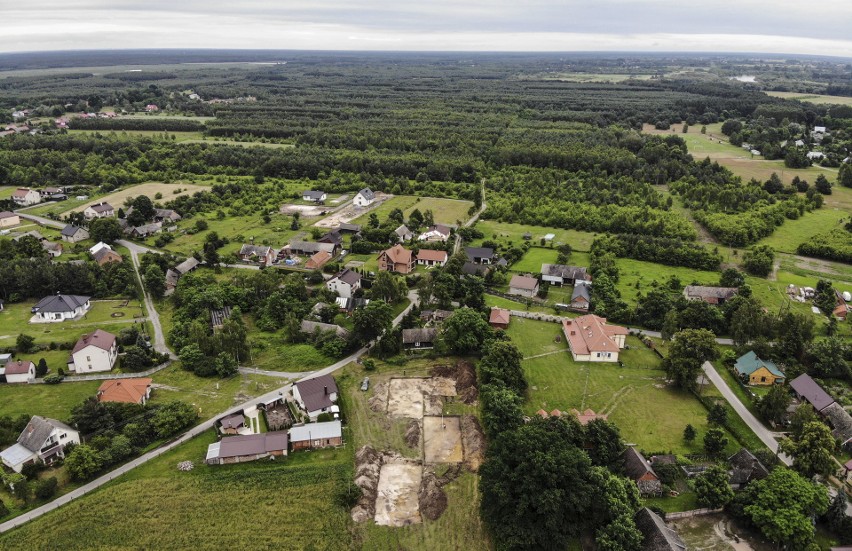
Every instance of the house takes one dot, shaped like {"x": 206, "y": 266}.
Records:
{"x": 174, "y": 274}
{"x": 316, "y": 395}
{"x": 345, "y": 283}
{"x": 807, "y": 389}
{"x": 580, "y": 296}
{"x": 435, "y": 232}
{"x": 525, "y": 286}
{"x": 588, "y": 416}
{"x": 745, "y": 467}
{"x": 218, "y": 317}
{"x": 349, "y": 228}
{"x": 9, "y": 219}
{"x": 592, "y": 339}
{"x": 232, "y": 424}
{"x": 73, "y": 234}
{"x": 472, "y": 269}
{"x": 559, "y": 274}
{"x": 656, "y": 535}
{"x": 499, "y": 318}
{"x": 24, "y": 197}
{"x": 429, "y": 257}
{"x": 53, "y": 249}
{"x": 841, "y": 310}
{"x": 841, "y": 423}
{"x": 480, "y": 255}
{"x": 99, "y": 210}
{"x": 262, "y": 254}
{"x": 57, "y": 308}
{"x": 403, "y": 234}
{"x": 332, "y": 237}
{"x": 128, "y": 391}
{"x": 97, "y": 351}
{"x": 145, "y": 230}
{"x": 349, "y": 305}
{"x": 364, "y": 198}
{"x": 758, "y": 372}
{"x": 97, "y": 247}
{"x": 33, "y": 233}
{"x": 710, "y": 295}
{"x": 43, "y": 439}
{"x": 105, "y": 255}
{"x": 422, "y": 338}
{"x": 317, "y": 435}
{"x": 318, "y": 260}
{"x": 249, "y": 447}
{"x": 48, "y": 192}
{"x": 166, "y": 215}
{"x": 311, "y": 327}
{"x": 314, "y": 196}
{"x": 19, "y": 371}
{"x": 639, "y": 470}
{"x": 815, "y": 155}
{"x": 396, "y": 259}
{"x": 307, "y": 248}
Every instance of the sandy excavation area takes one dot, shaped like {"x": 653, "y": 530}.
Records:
{"x": 414, "y": 397}
{"x": 442, "y": 440}
{"x": 397, "y": 501}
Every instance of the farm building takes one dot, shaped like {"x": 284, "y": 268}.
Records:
{"x": 218, "y": 317}
{"x": 257, "y": 253}
{"x": 174, "y": 274}
{"x": 499, "y": 318}
{"x": 841, "y": 423}
{"x": 559, "y": 274}
{"x": 308, "y": 248}
{"x": 639, "y": 470}
{"x": 592, "y": 339}
{"x": 805, "y": 388}
{"x": 525, "y": 286}
{"x": 318, "y": 260}
{"x": 758, "y": 372}
{"x": 422, "y": 338}
{"x": 333, "y": 237}
{"x": 745, "y": 467}
{"x": 250, "y": 447}
{"x": 403, "y": 234}
{"x": 317, "y": 435}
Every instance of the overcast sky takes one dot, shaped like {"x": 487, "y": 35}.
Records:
{"x": 779, "y": 26}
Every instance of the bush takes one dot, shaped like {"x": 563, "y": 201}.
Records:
{"x": 46, "y": 488}
{"x": 53, "y": 379}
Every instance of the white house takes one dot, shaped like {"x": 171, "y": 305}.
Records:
{"x": 316, "y": 396}
{"x": 97, "y": 351}
{"x": 25, "y": 197}
{"x": 99, "y": 210}
{"x": 364, "y": 198}
{"x": 43, "y": 439}
{"x": 17, "y": 371}
{"x": 436, "y": 232}
{"x": 429, "y": 257}
{"x": 9, "y": 219}
{"x": 57, "y": 308}
{"x": 93, "y": 250}
{"x": 524, "y": 286}
{"x": 345, "y": 283}
{"x": 314, "y": 196}
{"x": 592, "y": 339}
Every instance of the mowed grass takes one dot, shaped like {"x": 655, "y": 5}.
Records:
{"x": 637, "y": 276}
{"x": 14, "y": 320}
{"x": 818, "y": 99}
{"x": 535, "y": 337}
{"x": 508, "y": 304}
{"x": 444, "y": 211}
{"x": 276, "y": 234}
{"x": 54, "y": 401}
{"x": 788, "y": 236}
{"x": 169, "y": 191}
{"x": 514, "y": 233}
{"x": 289, "y": 503}
{"x": 6, "y": 192}
{"x": 533, "y": 259}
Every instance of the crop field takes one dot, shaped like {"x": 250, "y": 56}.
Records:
{"x": 813, "y": 98}
{"x": 169, "y": 191}
{"x": 445, "y": 211}
{"x": 514, "y": 234}
{"x": 288, "y": 503}
{"x": 172, "y": 135}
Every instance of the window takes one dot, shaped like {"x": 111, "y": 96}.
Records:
{"x": 88, "y": 358}
{"x": 763, "y": 379}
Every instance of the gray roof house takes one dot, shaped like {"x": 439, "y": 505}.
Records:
{"x": 421, "y": 338}
{"x": 841, "y": 422}
{"x": 250, "y": 447}
{"x": 480, "y": 255}
{"x": 73, "y": 234}
{"x": 42, "y": 439}
{"x": 561, "y": 274}
{"x": 807, "y": 389}
{"x": 60, "y": 307}
{"x": 745, "y": 467}
{"x": 313, "y": 195}
{"x": 657, "y": 536}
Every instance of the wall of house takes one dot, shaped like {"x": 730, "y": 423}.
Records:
{"x": 321, "y": 443}
{"x": 92, "y": 359}
{"x": 762, "y": 373}
{"x": 22, "y": 377}
{"x": 341, "y": 288}
{"x": 522, "y": 292}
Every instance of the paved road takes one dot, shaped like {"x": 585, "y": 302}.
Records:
{"x": 41, "y": 220}
{"x": 766, "y": 436}
{"x": 192, "y": 433}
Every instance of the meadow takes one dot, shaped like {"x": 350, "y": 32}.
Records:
{"x": 151, "y": 189}
{"x": 818, "y": 99}
{"x": 445, "y": 211}
{"x": 514, "y": 234}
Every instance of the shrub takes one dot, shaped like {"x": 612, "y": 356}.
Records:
{"x": 46, "y": 488}
{"x": 53, "y": 379}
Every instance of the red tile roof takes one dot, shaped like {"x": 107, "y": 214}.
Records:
{"x": 499, "y": 315}
{"x": 591, "y": 333}
{"x": 100, "y": 339}
{"x": 124, "y": 390}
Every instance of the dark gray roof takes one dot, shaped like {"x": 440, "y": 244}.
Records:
{"x": 479, "y": 252}
{"x": 219, "y": 315}
{"x": 253, "y": 444}
{"x": 102, "y": 207}
{"x": 580, "y": 291}
{"x": 38, "y": 430}
{"x": 635, "y": 465}
{"x": 313, "y": 392}
{"x": 472, "y": 268}
{"x": 233, "y": 421}
{"x": 745, "y": 467}
{"x": 308, "y": 247}
{"x": 657, "y": 535}
{"x": 187, "y": 265}
{"x": 840, "y": 421}
{"x": 60, "y": 303}
{"x": 349, "y": 276}
{"x": 315, "y": 195}
{"x": 368, "y": 194}
{"x": 69, "y": 230}
{"x": 355, "y": 228}
{"x": 255, "y": 250}
{"x": 332, "y": 237}
{"x": 422, "y": 334}
{"x": 808, "y": 389}
{"x": 308, "y": 326}
{"x": 563, "y": 271}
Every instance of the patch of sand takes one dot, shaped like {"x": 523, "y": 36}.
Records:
{"x": 397, "y": 502}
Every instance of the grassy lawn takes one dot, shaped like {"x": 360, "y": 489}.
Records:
{"x": 178, "y": 136}
{"x": 500, "y": 302}
{"x": 445, "y": 211}
{"x": 277, "y": 234}
{"x": 169, "y": 191}
{"x": 793, "y": 232}
{"x": 54, "y": 401}
{"x": 637, "y": 275}
{"x": 686, "y": 501}
{"x": 14, "y": 320}
{"x": 533, "y": 259}
{"x": 6, "y": 191}
{"x": 514, "y": 233}
{"x": 535, "y": 337}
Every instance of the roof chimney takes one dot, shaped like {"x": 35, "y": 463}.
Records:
{"x": 325, "y": 390}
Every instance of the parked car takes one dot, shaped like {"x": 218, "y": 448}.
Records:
{"x": 365, "y": 384}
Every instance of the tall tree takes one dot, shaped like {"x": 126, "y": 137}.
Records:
{"x": 501, "y": 365}
{"x": 712, "y": 487}
{"x": 372, "y": 320}
{"x": 813, "y": 450}
{"x": 465, "y": 331}
{"x": 689, "y": 349}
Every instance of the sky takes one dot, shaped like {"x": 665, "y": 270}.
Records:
{"x": 820, "y": 27}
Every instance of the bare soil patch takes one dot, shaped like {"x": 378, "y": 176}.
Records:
{"x": 406, "y": 397}
{"x": 473, "y": 442}
{"x": 350, "y": 212}
{"x": 368, "y": 463}
{"x": 398, "y": 500}
{"x": 442, "y": 442}
{"x": 464, "y": 374}
{"x": 303, "y": 210}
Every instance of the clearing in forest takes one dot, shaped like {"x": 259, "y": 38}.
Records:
{"x": 169, "y": 191}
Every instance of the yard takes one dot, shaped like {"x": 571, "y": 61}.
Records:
{"x": 533, "y": 259}
{"x": 445, "y": 211}
{"x": 514, "y": 233}
{"x": 54, "y": 401}
{"x": 637, "y": 276}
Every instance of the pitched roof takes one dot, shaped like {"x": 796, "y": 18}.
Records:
{"x": 748, "y": 363}
{"x": 523, "y": 282}
{"x": 21, "y": 192}
{"x": 187, "y": 265}
{"x": 563, "y": 271}
{"x": 706, "y": 292}
{"x": 8, "y": 214}
{"x": 840, "y": 421}
{"x": 60, "y": 303}
{"x": 367, "y": 194}
{"x": 321, "y": 258}
{"x": 657, "y": 535}
{"x": 402, "y": 231}
{"x": 315, "y": 195}
{"x": 635, "y": 465}
{"x": 591, "y": 333}
{"x": 308, "y": 326}
{"x": 349, "y": 227}
{"x": 103, "y": 253}
{"x": 588, "y": 416}
{"x": 745, "y": 467}
{"x": 70, "y": 231}
{"x": 479, "y": 252}
{"x": 99, "y": 339}
{"x": 499, "y": 315}
{"x": 420, "y": 334}
{"x": 129, "y": 391}
{"x": 18, "y": 367}
{"x": 432, "y": 255}
{"x": 332, "y": 237}
{"x": 255, "y": 250}
{"x": 309, "y": 247}
{"x": 233, "y": 421}
{"x": 398, "y": 255}
{"x": 101, "y": 207}
{"x": 316, "y": 393}
{"x": 316, "y": 431}
{"x": 472, "y": 268}
{"x": 348, "y": 276}
{"x": 219, "y": 315}
{"x": 146, "y": 229}
{"x": 808, "y": 389}
{"x": 581, "y": 291}
{"x": 253, "y": 444}
{"x": 38, "y": 430}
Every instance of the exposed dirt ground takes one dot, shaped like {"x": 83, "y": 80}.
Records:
{"x": 350, "y": 212}
{"x": 473, "y": 442}
{"x": 303, "y": 210}
{"x": 398, "y": 502}
{"x": 442, "y": 441}
{"x": 414, "y": 397}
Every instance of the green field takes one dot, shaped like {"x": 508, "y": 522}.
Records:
{"x": 178, "y": 136}
{"x": 818, "y": 99}
{"x": 445, "y": 211}
{"x": 6, "y": 191}
{"x": 514, "y": 234}
{"x": 637, "y": 276}
{"x": 533, "y": 259}
{"x": 46, "y": 400}
{"x": 276, "y": 234}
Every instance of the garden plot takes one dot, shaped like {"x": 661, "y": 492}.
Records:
{"x": 397, "y": 501}
{"x": 442, "y": 440}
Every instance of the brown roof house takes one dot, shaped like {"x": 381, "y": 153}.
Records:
{"x": 592, "y": 339}
{"x": 710, "y": 295}
{"x": 250, "y": 447}
{"x": 525, "y": 286}
{"x": 94, "y": 352}
{"x": 421, "y": 338}
{"x": 499, "y": 318}
{"x": 318, "y": 260}
{"x": 639, "y": 470}
{"x": 316, "y": 395}
{"x": 25, "y": 197}
{"x": 128, "y": 391}
{"x": 396, "y": 259}
{"x": 429, "y": 257}
{"x": 19, "y": 371}
{"x": 257, "y": 253}
{"x": 99, "y": 210}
